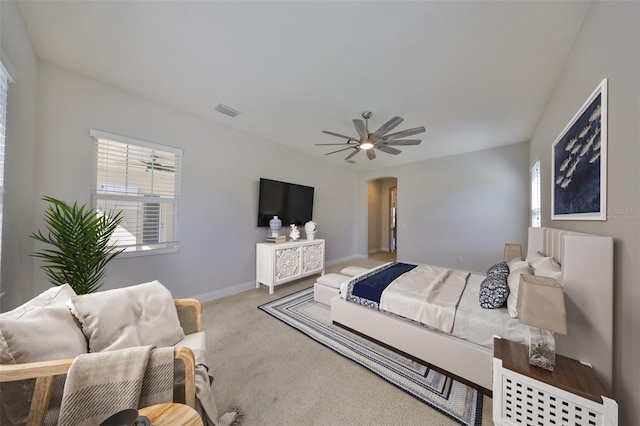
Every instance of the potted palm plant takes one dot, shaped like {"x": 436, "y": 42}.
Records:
{"x": 79, "y": 248}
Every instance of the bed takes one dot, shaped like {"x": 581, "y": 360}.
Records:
{"x": 587, "y": 277}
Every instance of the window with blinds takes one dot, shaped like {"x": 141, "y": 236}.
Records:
{"x": 142, "y": 179}
{"x": 4, "y": 89}
{"x": 536, "y": 207}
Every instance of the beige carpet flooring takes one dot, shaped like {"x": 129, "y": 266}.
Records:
{"x": 281, "y": 377}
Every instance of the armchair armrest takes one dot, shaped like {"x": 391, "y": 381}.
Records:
{"x": 189, "y": 314}
{"x": 45, "y": 372}
{"x": 186, "y": 356}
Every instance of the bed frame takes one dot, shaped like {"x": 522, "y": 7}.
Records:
{"x": 587, "y": 277}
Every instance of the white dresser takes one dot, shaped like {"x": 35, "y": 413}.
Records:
{"x": 284, "y": 262}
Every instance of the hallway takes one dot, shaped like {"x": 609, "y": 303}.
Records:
{"x": 385, "y": 256}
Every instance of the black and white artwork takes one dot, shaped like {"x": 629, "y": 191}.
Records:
{"x": 579, "y": 163}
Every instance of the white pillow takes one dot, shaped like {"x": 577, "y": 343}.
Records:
{"x": 517, "y": 263}
{"x": 513, "y": 281}
{"x": 547, "y": 267}
{"x": 532, "y": 257}
{"x": 140, "y": 315}
{"x": 42, "y": 329}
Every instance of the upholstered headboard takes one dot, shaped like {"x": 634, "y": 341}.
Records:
{"x": 587, "y": 277}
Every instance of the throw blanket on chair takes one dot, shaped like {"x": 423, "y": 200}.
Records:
{"x": 205, "y": 404}
{"x": 104, "y": 383}
{"x": 101, "y": 384}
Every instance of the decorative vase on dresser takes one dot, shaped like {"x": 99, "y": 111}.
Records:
{"x": 295, "y": 233}
{"x": 281, "y": 263}
{"x": 310, "y": 229}
{"x": 275, "y": 224}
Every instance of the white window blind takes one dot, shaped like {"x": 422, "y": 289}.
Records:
{"x": 142, "y": 179}
{"x": 536, "y": 207}
{"x": 4, "y": 89}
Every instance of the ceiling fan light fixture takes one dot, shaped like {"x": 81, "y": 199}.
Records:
{"x": 366, "y": 145}
{"x": 380, "y": 140}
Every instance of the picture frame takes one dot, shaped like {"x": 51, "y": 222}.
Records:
{"x": 579, "y": 163}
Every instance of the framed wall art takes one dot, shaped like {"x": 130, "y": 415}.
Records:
{"x": 579, "y": 163}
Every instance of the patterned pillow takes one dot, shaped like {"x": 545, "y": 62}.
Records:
{"x": 493, "y": 292}
{"x": 499, "y": 270}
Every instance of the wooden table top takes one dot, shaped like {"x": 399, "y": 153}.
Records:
{"x": 569, "y": 374}
{"x": 172, "y": 414}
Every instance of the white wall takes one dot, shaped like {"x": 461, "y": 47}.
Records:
{"x": 460, "y": 206}
{"x": 17, "y": 273}
{"x": 221, "y": 169}
{"x": 608, "y": 45}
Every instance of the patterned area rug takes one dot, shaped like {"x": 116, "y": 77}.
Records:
{"x": 452, "y": 398}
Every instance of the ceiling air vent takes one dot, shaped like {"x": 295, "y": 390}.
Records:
{"x": 226, "y": 110}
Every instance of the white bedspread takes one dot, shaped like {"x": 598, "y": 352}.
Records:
{"x": 427, "y": 294}
{"x": 478, "y": 325}
{"x": 472, "y": 322}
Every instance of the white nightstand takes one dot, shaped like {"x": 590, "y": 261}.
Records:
{"x": 523, "y": 394}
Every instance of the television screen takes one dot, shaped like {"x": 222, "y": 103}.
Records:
{"x": 292, "y": 203}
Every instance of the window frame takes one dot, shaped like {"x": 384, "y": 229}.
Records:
{"x": 5, "y": 80}
{"x": 535, "y": 198}
{"x": 172, "y": 246}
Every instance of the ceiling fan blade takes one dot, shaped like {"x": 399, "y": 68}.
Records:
{"x": 403, "y": 133}
{"x": 371, "y": 154}
{"x": 386, "y": 127}
{"x": 340, "y": 143}
{"x": 388, "y": 149}
{"x": 340, "y": 150}
{"x": 403, "y": 142}
{"x": 361, "y": 128}
{"x": 350, "y": 156}
{"x": 338, "y": 135}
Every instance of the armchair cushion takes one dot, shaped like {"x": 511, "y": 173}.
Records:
{"x": 193, "y": 341}
{"x": 139, "y": 315}
{"x": 26, "y": 332}
{"x": 40, "y": 330}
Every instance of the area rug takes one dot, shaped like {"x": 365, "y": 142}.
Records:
{"x": 450, "y": 397}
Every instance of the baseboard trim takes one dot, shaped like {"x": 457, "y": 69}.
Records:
{"x": 239, "y": 288}
{"x": 228, "y": 291}
{"x": 344, "y": 259}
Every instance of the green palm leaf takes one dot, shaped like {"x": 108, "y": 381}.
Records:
{"x": 80, "y": 244}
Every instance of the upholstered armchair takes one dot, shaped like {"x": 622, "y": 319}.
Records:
{"x": 40, "y": 340}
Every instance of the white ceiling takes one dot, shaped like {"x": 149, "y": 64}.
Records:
{"x": 476, "y": 74}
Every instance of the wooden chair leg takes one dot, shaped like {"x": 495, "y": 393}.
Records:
{"x": 40, "y": 400}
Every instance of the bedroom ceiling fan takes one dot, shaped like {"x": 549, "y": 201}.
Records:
{"x": 380, "y": 139}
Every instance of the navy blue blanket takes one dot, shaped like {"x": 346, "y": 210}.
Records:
{"x": 371, "y": 287}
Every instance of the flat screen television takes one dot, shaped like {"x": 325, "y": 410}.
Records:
{"x": 292, "y": 203}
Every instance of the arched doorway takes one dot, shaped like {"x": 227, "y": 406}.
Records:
{"x": 382, "y": 213}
